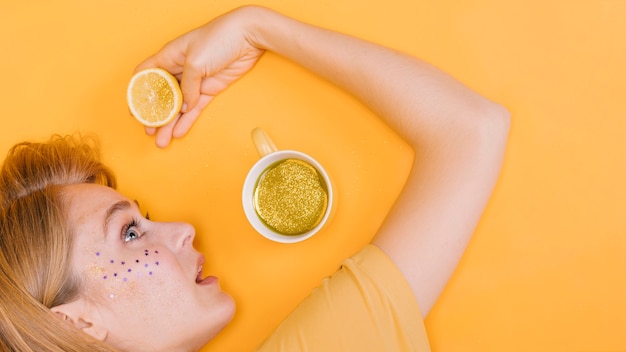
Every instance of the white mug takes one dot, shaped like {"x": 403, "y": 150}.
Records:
{"x": 271, "y": 156}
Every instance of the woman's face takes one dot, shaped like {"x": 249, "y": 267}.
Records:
{"x": 143, "y": 279}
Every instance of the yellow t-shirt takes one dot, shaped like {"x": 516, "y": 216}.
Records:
{"x": 367, "y": 305}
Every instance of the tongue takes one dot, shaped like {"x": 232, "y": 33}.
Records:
{"x": 207, "y": 280}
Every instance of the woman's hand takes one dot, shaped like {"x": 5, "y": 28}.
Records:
{"x": 458, "y": 136}
{"x": 205, "y": 61}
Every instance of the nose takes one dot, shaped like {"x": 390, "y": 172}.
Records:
{"x": 180, "y": 235}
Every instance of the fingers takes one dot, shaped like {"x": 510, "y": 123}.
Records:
{"x": 190, "y": 85}
{"x": 183, "y": 125}
{"x": 180, "y": 126}
{"x": 164, "y": 135}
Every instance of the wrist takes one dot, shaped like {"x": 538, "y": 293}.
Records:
{"x": 264, "y": 27}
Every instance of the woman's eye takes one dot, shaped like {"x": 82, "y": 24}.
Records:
{"x": 131, "y": 234}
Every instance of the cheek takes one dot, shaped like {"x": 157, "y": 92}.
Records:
{"x": 119, "y": 276}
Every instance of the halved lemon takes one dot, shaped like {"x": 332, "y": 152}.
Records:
{"x": 154, "y": 97}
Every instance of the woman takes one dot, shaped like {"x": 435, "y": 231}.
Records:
{"x": 74, "y": 250}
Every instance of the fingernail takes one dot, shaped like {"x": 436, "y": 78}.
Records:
{"x": 184, "y": 107}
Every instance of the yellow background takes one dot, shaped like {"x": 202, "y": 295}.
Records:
{"x": 545, "y": 270}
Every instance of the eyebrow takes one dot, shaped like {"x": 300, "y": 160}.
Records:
{"x": 121, "y": 205}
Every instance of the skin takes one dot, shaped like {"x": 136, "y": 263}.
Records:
{"x": 458, "y": 136}
{"x": 134, "y": 276}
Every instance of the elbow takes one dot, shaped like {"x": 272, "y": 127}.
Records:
{"x": 494, "y": 125}
{"x": 502, "y": 122}
{"x": 501, "y": 119}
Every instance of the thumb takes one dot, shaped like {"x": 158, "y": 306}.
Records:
{"x": 190, "y": 84}
{"x": 147, "y": 63}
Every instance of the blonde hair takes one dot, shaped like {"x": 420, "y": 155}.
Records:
{"x": 36, "y": 242}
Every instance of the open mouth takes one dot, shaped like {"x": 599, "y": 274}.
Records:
{"x": 199, "y": 275}
{"x": 199, "y": 279}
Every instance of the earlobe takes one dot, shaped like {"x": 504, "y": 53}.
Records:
{"x": 74, "y": 313}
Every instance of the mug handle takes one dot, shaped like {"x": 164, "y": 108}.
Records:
{"x": 262, "y": 142}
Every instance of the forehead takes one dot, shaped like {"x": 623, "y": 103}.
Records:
{"x": 88, "y": 203}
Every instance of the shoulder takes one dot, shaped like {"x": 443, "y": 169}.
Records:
{"x": 367, "y": 305}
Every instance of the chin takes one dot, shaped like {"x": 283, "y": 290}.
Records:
{"x": 221, "y": 315}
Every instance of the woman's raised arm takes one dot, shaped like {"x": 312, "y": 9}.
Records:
{"x": 458, "y": 136}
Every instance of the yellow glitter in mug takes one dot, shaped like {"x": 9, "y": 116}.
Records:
{"x": 291, "y": 197}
